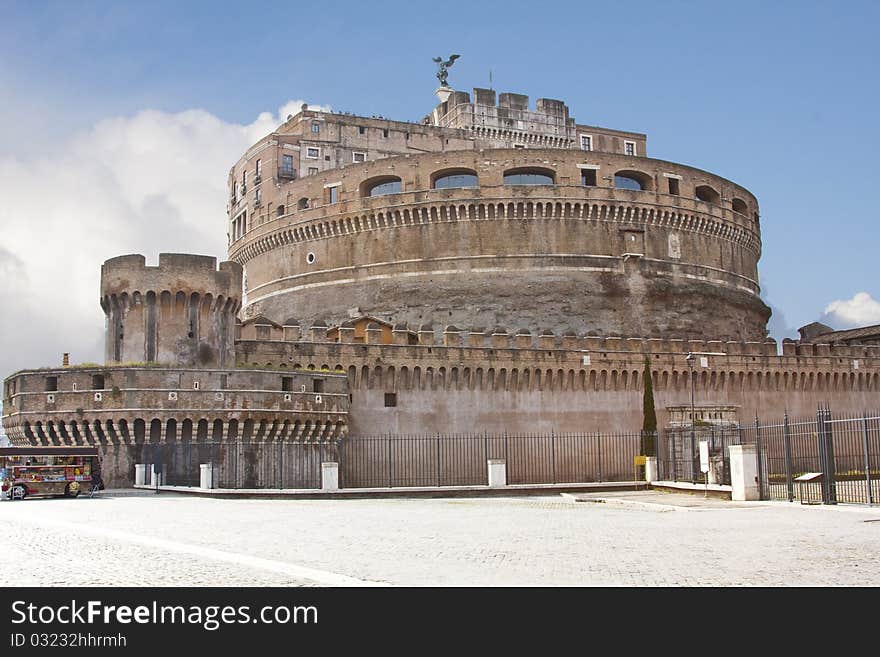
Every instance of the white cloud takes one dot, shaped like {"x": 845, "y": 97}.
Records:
{"x": 861, "y": 310}
{"x": 147, "y": 183}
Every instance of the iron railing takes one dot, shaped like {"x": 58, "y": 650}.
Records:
{"x": 460, "y": 459}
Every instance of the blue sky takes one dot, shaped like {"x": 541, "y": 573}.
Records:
{"x": 780, "y": 97}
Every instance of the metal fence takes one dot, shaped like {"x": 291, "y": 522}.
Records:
{"x": 241, "y": 464}
{"x": 678, "y": 454}
{"x": 403, "y": 460}
{"x": 460, "y": 459}
{"x": 842, "y": 453}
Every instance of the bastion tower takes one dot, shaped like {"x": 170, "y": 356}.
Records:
{"x": 491, "y": 212}
{"x": 182, "y": 311}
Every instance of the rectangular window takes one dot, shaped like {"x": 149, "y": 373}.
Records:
{"x": 587, "y": 142}
{"x": 519, "y": 145}
{"x": 390, "y": 399}
{"x": 313, "y": 153}
{"x": 318, "y": 385}
{"x": 234, "y": 189}
{"x": 385, "y": 133}
{"x": 97, "y": 381}
{"x": 243, "y": 178}
{"x": 223, "y": 381}
{"x": 629, "y": 147}
{"x": 673, "y": 186}
{"x": 258, "y": 198}
{"x": 286, "y": 384}
{"x": 287, "y": 163}
{"x": 332, "y": 194}
{"x": 313, "y": 170}
{"x": 361, "y": 130}
{"x": 259, "y": 169}
{"x": 358, "y": 157}
{"x": 51, "y": 383}
{"x": 588, "y": 177}
{"x": 316, "y": 128}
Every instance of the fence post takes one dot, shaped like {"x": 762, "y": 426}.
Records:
{"x": 760, "y": 456}
{"x": 786, "y": 439}
{"x": 438, "y": 460}
{"x": 553, "y": 454}
{"x": 599, "y": 450}
{"x": 867, "y": 458}
{"x": 388, "y": 438}
{"x": 826, "y": 456}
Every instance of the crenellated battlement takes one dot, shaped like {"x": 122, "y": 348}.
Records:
{"x": 181, "y": 311}
{"x": 500, "y": 337}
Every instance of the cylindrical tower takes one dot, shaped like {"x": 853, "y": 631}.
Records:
{"x": 181, "y": 312}
{"x": 571, "y": 240}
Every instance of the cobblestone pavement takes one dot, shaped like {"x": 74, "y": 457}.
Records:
{"x": 171, "y": 539}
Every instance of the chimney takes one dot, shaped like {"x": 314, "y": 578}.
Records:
{"x": 65, "y": 359}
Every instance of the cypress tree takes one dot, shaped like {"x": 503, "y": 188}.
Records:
{"x": 649, "y": 424}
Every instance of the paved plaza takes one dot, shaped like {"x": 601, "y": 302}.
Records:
{"x": 141, "y": 538}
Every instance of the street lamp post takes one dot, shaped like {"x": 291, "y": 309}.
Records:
{"x": 691, "y": 359}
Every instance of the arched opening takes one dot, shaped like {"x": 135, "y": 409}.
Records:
{"x": 279, "y": 210}
{"x": 632, "y": 180}
{"x": 302, "y": 204}
{"x": 740, "y": 206}
{"x": 454, "y": 179}
{"x": 707, "y": 194}
{"x": 381, "y": 186}
{"x": 530, "y": 176}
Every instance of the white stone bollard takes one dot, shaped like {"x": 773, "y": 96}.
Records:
{"x": 140, "y": 474}
{"x": 650, "y": 469}
{"x": 744, "y": 473}
{"x": 206, "y": 475}
{"x": 330, "y": 476}
{"x": 497, "y": 473}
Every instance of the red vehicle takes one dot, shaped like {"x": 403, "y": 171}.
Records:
{"x": 55, "y": 471}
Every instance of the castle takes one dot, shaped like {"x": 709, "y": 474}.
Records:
{"x": 496, "y": 267}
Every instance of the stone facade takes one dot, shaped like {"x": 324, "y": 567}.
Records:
{"x": 675, "y": 258}
{"x": 495, "y": 267}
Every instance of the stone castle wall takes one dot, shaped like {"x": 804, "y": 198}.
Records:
{"x": 562, "y": 256}
{"x": 520, "y": 382}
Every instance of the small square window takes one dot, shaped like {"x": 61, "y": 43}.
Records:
{"x": 286, "y": 383}
{"x": 316, "y": 128}
{"x": 629, "y": 147}
{"x": 318, "y": 385}
{"x": 97, "y": 381}
{"x": 313, "y": 170}
{"x": 588, "y": 177}
{"x": 313, "y": 152}
{"x": 51, "y": 383}
{"x": 358, "y": 157}
{"x": 390, "y": 399}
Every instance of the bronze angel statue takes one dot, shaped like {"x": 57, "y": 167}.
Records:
{"x": 442, "y": 72}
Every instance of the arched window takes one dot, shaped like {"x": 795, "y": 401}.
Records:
{"x": 530, "y": 176}
{"x": 302, "y": 204}
{"x": 279, "y": 210}
{"x": 740, "y": 206}
{"x": 707, "y": 194}
{"x": 454, "y": 178}
{"x": 634, "y": 180}
{"x": 381, "y": 186}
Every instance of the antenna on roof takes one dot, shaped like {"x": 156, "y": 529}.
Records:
{"x": 490, "y": 79}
